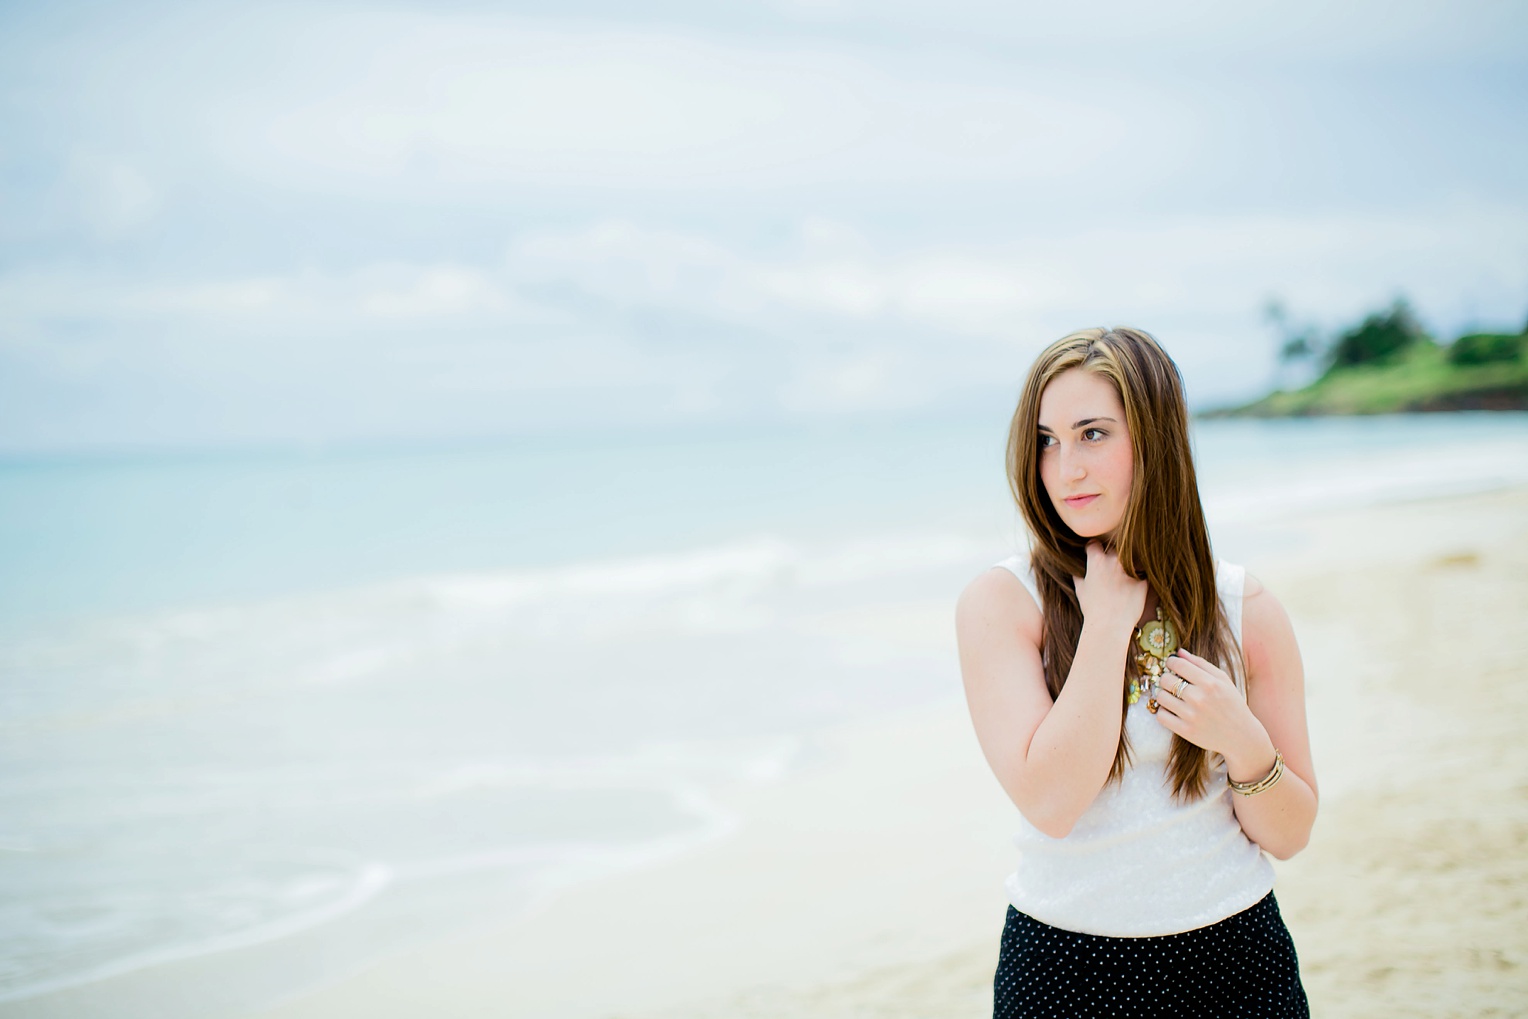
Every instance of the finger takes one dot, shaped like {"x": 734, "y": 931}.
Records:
{"x": 1178, "y": 727}
{"x": 1166, "y": 698}
{"x": 1189, "y": 670}
{"x": 1178, "y": 686}
{"x": 1171, "y": 722}
{"x": 1198, "y": 670}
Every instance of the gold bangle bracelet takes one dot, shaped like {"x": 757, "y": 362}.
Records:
{"x": 1263, "y": 784}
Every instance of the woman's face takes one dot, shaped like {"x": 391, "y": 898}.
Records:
{"x": 1086, "y": 462}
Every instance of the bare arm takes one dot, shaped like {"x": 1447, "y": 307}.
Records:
{"x": 1279, "y": 820}
{"x": 1051, "y": 757}
{"x": 1213, "y": 715}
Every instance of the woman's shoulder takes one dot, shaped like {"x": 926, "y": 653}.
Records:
{"x": 1005, "y": 590}
{"x": 1267, "y": 635}
{"x": 1234, "y": 581}
{"x": 1263, "y": 614}
{"x": 1018, "y": 564}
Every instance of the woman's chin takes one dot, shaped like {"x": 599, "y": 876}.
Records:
{"x": 1089, "y": 523}
{"x": 1090, "y": 530}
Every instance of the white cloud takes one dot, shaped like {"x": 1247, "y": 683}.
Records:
{"x": 831, "y": 273}
{"x": 1185, "y": 266}
{"x": 855, "y": 206}
{"x": 411, "y": 101}
{"x": 110, "y": 194}
{"x": 845, "y": 322}
{"x": 383, "y": 295}
{"x": 1402, "y": 32}
{"x": 434, "y": 293}
{"x": 833, "y": 287}
{"x": 406, "y": 101}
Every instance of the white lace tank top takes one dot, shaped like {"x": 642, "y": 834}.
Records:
{"x": 1137, "y": 863}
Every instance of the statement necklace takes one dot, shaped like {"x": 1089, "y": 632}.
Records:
{"x": 1157, "y": 640}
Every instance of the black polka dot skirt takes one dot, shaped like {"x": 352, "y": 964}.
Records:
{"x": 1243, "y": 966}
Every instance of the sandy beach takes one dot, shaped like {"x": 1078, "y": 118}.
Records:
{"x": 869, "y": 881}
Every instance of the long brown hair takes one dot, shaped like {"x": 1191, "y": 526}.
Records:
{"x": 1162, "y": 539}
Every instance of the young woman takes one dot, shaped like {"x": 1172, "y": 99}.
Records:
{"x": 1142, "y": 704}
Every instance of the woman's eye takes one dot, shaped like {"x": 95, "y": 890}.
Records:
{"x": 1093, "y": 434}
{"x": 1046, "y": 441}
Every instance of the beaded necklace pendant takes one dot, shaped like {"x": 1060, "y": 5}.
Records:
{"x": 1157, "y": 640}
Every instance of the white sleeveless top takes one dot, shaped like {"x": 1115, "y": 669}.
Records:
{"x": 1137, "y": 863}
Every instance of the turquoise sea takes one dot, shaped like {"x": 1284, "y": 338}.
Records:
{"x": 287, "y": 711}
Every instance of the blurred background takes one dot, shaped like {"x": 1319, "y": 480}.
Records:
{"x": 442, "y": 443}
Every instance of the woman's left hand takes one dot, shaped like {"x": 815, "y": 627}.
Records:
{"x": 1200, "y": 702}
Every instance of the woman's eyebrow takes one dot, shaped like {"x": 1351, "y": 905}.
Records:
{"x": 1077, "y": 424}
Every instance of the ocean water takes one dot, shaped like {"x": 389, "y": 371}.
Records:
{"x": 286, "y": 712}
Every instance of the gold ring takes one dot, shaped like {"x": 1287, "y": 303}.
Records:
{"x": 1178, "y": 693}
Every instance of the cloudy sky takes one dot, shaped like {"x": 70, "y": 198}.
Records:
{"x": 320, "y": 222}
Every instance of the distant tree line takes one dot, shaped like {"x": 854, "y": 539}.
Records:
{"x": 1385, "y": 337}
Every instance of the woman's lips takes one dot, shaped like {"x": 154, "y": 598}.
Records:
{"x": 1079, "y": 501}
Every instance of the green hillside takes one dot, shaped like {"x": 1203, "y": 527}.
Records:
{"x": 1388, "y": 364}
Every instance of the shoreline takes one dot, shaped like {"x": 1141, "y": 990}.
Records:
{"x": 706, "y": 926}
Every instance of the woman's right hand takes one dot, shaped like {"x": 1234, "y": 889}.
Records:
{"x": 1108, "y": 595}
